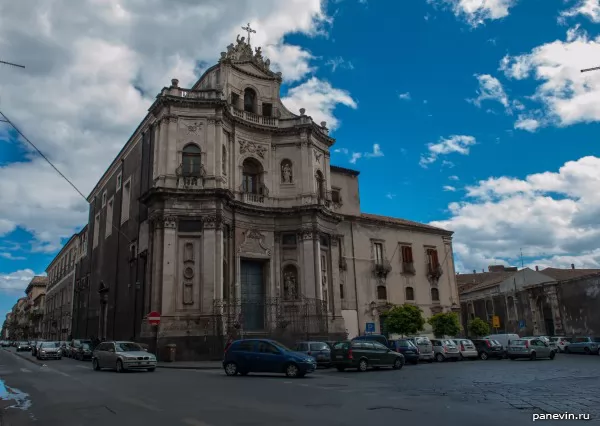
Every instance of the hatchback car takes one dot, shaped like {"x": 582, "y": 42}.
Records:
{"x": 266, "y": 356}
{"x": 487, "y": 348}
{"x": 320, "y": 351}
{"x": 364, "y": 354}
{"x": 406, "y": 348}
{"x": 531, "y": 348}
{"x": 466, "y": 348}
{"x": 561, "y": 343}
{"x": 49, "y": 350}
{"x": 584, "y": 345}
{"x": 23, "y": 346}
{"x": 425, "y": 348}
{"x": 445, "y": 350}
{"x": 122, "y": 356}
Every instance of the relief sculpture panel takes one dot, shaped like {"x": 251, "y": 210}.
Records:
{"x": 190, "y": 273}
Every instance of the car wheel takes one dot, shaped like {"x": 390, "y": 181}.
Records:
{"x": 291, "y": 370}
{"x": 552, "y": 355}
{"x": 439, "y": 358}
{"x": 340, "y": 369}
{"x": 587, "y": 351}
{"x": 397, "y": 364}
{"x": 95, "y": 365}
{"x": 363, "y": 365}
{"x": 483, "y": 356}
{"x": 533, "y": 356}
{"x": 119, "y": 366}
{"x": 231, "y": 369}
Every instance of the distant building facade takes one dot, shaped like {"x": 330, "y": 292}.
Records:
{"x": 550, "y": 301}
{"x": 34, "y": 311}
{"x": 223, "y": 213}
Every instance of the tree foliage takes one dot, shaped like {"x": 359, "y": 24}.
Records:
{"x": 405, "y": 319}
{"x": 478, "y": 327}
{"x": 445, "y": 324}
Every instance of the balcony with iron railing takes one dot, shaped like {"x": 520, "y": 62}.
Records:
{"x": 258, "y": 196}
{"x": 190, "y": 176}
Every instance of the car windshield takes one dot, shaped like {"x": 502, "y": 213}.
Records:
{"x": 24, "y": 343}
{"x": 497, "y": 343}
{"x": 449, "y": 343}
{"x": 518, "y": 342}
{"x": 422, "y": 341}
{"x": 86, "y": 346}
{"x": 127, "y": 347}
{"x": 320, "y": 346}
{"x": 281, "y": 346}
{"x": 50, "y": 345}
{"x": 341, "y": 345}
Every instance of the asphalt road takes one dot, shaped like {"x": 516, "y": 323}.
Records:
{"x": 489, "y": 393}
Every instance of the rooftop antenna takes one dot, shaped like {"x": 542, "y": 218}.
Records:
{"x": 11, "y": 64}
{"x": 521, "y": 251}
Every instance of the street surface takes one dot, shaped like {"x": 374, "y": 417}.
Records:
{"x": 489, "y": 393}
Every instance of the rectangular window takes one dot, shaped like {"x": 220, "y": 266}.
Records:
{"x": 109, "y": 217}
{"x": 407, "y": 254}
{"x": 96, "y": 230}
{"x": 126, "y": 201}
{"x": 335, "y": 196}
{"x": 104, "y": 199}
{"x": 119, "y": 182}
{"x": 341, "y": 291}
{"x": 432, "y": 259}
{"x": 378, "y": 253}
{"x": 267, "y": 110}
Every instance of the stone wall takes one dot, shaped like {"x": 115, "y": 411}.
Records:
{"x": 579, "y": 302}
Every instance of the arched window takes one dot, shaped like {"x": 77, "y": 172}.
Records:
{"x": 191, "y": 160}
{"x": 251, "y": 175}
{"x": 435, "y": 295}
{"x": 320, "y": 185}
{"x": 290, "y": 282}
{"x": 410, "y": 293}
{"x": 249, "y": 100}
{"x": 381, "y": 292}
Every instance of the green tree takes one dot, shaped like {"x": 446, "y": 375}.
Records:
{"x": 478, "y": 327}
{"x": 445, "y": 324}
{"x": 404, "y": 319}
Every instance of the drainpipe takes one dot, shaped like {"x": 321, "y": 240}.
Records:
{"x": 116, "y": 282}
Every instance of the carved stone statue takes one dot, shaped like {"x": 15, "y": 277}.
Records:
{"x": 290, "y": 287}
{"x": 230, "y": 49}
{"x": 267, "y": 64}
{"x": 241, "y": 40}
{"x": 286, "y": 173}
{"x": 258, "y": 53}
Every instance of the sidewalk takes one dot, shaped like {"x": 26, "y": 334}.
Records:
{"x": 192, "y": 365}
{"x": 25, "y": 355}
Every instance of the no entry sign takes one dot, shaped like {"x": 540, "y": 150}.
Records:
{"x": 154, "y": 318}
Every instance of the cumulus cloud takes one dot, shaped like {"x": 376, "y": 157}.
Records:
{"x": 340, "y": 63}
{"x": 588, "y": 8}
{"x": 527, "y": 123}
{"x": 319, "y": 99}
{"x": 565, "y": 95}
{"x": 355, "y": 156}
{"x": 551, "y": 216}
{"x": 490, "y": 89}
{"x": 404, "y": 96}
{"x": 15, "y": 282}
{"x": 94, "y": 68}
{"x": 476, "y": 12}
{"x": 459, "y": 144}
{"x": 449, "y": 188}
{"x": 453, "y": 177}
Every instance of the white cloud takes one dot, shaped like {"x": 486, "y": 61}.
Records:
{"x": 404, "y": 96}
{"x": 527, "y": 123}
{"x": 587, "y": 8}
{"x": 15, "y": 282}
{"x": 355, "y": 156}
{"x": 10, "y": 256}
{"x": 390, "y": 196}
{"x": 565, "y": 95}
{"x": 490, "y": 89}
{"x": 319, "y": 99}
{"x": 94, "y": 68}
{"x": 449, "y": 188}
{"x": 375, "y": 153}
{"x": 553, "y": 216}
{"x": 459, "y": 144}
{"x": 453, "y": 177}
{"x": 340, "y": 63}
{"x": 476, "y": 12}
{"x": 341, "y": 151}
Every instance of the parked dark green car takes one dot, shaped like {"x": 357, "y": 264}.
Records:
{"x": 362, "y": 355}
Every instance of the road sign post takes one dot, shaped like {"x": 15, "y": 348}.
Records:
{"x": 370, "y": 327}
{"x": 154, "y": 321}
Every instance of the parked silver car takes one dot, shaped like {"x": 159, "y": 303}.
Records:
{"x": 425, "y": 348}
{"x": 445, "y": 349}
{"x": 532, "y": 348}
{"x": 466, "y": 348}
{"x": 122, "y": 356}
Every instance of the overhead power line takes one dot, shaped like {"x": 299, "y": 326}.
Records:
{"x": 11, "y": 64}
{"x": 5, "y": 119}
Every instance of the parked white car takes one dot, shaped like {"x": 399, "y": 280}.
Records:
{"x": 561, "y": 342}
{"x": 503, "y": 339}
{"x": 466, "y": 348}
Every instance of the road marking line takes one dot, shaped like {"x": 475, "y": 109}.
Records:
{"x": 140, "y": 404}
{"x": 194, "y": 422}
{"x": 24, "y": 370}
{"x": 83, "y": 366}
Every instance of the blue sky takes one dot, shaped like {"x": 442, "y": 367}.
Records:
{"x": 475, "y": 118}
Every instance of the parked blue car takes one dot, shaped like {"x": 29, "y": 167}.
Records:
{"x": 266, "y": 356}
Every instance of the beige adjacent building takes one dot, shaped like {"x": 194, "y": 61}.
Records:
{"x": 224, "y": 214}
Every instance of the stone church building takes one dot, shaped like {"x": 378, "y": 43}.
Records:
{"x": 223, "y": 213}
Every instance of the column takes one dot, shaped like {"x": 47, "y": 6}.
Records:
{"x": 277, "y": 285}
{"x": 173, "y": 159}
{"x": 552, "y": 298}
{"x": 534, "y": 313}
{"x": 218, "y": 153}
{"x": 169, "y": 268}
{"x": 162, "y": 143}
{"x": 309, "y": 274}
{"x": 212, "y": 262}
{"x": 335, "y": 276}
{"x": 156, "y": 265}
{"x": 156, "y": 152}
{"x": 212, "y": 147}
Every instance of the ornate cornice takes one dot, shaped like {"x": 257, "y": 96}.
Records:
{"x": 164, "y": 221}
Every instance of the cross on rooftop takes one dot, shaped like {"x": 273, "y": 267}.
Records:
{"x": 249, "y": 31}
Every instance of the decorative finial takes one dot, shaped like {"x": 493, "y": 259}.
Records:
{"x": 324, "y": 124}
{"x": 249, "y": 31}
{"x": 174, "y": 82}
{"x": 302, "y": 111}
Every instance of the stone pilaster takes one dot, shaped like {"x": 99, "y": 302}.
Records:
{"x": 211, "y": 149}
{"x": 552, "y": 298}
{"x": 277, "y": 290}
{"x": 335, "y": 277}
{"x": 219, "y": 153}
{"x": 169, "y": 269}
{"x": 157, "y": 265}
{"x": 163, "y": 145}
{"x": 534, "y": 313}
{"x": 310, "y": 261}
{"x": 212, "y": 262}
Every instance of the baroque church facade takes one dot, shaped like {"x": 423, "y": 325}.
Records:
{"x": 223, "y": 213}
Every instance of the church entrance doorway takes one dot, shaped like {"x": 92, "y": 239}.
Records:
{"x": 252, "y": 295}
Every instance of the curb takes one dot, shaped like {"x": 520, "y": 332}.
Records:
{"x": 30, "y": 359}
{"x": 181, "y": 367}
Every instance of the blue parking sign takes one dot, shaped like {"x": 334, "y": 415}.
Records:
{"x": 521, "y": 323}
{"x": 370, "y": 327}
